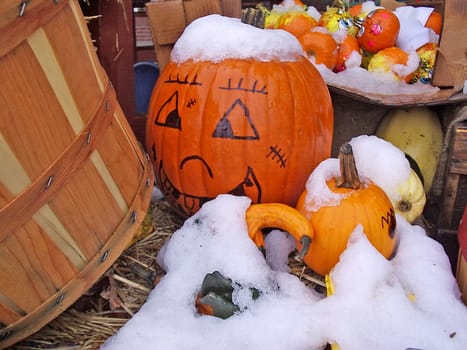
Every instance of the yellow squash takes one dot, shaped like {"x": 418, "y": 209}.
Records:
{"x": 418, "y": 133}
{"x": 412, "y": 201}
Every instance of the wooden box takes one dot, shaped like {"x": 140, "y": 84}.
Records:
{"x": 455, "y": 182}
{"x": 74, "y": 182}
{"x": 168, "y": 19}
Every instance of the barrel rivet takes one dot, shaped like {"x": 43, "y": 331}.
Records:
{"x": 134, "y": 215}
{"x": 105, "y": 256}
{"x": 5, "y": 335}
{"x": 22, "y": 7}
{"x": 49, "y": 182}
{"x": 60, "y": 298}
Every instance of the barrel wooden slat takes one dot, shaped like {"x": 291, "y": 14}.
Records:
{"x": 29, "y": 101}
{"x": 74, "y": 182}
{"x": 7, "y": 315}
{"x": 81, "y": 78}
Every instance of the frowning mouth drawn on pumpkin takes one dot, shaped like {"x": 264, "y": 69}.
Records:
{"x": 249, "y": 187}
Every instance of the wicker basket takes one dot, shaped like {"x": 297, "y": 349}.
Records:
{"x": 74, "y": 182}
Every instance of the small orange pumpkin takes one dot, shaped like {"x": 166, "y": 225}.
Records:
{"x": 321, "y": 46}
{"x": 435, "y": 22}
{"x": 296, "y": 22}
{"x": 344, "y": 50}
{"x": 364, "y": 204}
{"x": 379, "y": 30}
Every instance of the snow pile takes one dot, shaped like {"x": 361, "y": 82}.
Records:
{"x": 411, "y": 301}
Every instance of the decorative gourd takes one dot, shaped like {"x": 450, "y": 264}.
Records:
{"x": 280, "y": 216}
{"x": 237, "y": 123}
{"x": 392, "y": 60}
{"x": 321, "y": 46}
{"x": 412, "y": 202}
{"x": 336, "y": 18}
{"x": 378, "y": 30}
{"x": 417, "y": 132}
{"x": 427, "y": 55}
{"x": 360, "y": 204}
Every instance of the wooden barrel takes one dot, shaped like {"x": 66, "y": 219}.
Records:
{"x": 74, "y": 182}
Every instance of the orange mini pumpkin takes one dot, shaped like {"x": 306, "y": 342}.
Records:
{"x": 379, "y": 30}
{"x": 435, "y": 22}
{"x": 296, "y": 22}
{"x": 344, "y": 49}
{"x": 242, "y": 126}
{"x": 361, "y": 204}
{"x": 321, "y": 46}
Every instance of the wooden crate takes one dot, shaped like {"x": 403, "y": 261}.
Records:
{"x": 168, "y": 19}
{"x": 455, "y": 183}
{"x": 74, "y": 182}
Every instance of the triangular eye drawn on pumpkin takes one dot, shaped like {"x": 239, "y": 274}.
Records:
{"x": 168, "y": 114}
{"x": 231, "y": 125}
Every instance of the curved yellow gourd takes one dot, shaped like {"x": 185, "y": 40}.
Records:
{"x": 417, "y": 132}
{"x": 413, "y": 198}
{"x": 280, "y": 216}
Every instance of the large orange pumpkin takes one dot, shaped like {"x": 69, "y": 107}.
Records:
{"x": 242, "y": 126}
{"x": 361, "y": 204}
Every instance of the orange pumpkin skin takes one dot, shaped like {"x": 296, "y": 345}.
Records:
{"x": 379, "y": 30}
{"x": 321, "y": 46}
{"x": 243, "y": 127}
{"x": 435, "y": 22}
{"x": 333, "y": 225}
{"x": 344, "y": 50}
{"x": 296, "y": 22}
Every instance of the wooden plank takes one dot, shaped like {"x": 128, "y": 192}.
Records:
{"x": 449, "y": 200}
{"x": 200, "y": 8}
{"x": 231, "y": 8}
{"x": 459, "y": 152}
{"x": 167, "y": 20}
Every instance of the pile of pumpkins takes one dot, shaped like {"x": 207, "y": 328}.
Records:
{"x": 364, "y": 35}
{"x": 262, "y": 129}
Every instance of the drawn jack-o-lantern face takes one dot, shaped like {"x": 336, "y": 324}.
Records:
{"x": 242, "y": 127}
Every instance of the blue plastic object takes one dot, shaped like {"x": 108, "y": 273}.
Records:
{"x": 146, "y": 74}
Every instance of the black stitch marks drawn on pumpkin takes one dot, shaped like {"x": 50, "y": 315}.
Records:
{"x": 275, "y": 154}
{"x": 191, "y": 102}
{"x": 240, "y": 87}
{"x": 183, "y": 81}
{"x": 168, "y": 115}
{"x": 231, "y": 125}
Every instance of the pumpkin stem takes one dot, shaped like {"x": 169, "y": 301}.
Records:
{"x": 255, "y": 17}
{"x": 306, "y": 243}
{"x": 349, "y": 175}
